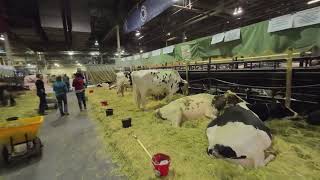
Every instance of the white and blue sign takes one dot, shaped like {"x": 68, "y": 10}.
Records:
{"x": 145, "y": 12}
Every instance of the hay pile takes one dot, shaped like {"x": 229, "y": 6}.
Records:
{"x": 26, "y": 107}
{"x": 296, "y": 144}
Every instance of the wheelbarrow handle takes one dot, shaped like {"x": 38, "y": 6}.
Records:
{"x": 144, "y": 148}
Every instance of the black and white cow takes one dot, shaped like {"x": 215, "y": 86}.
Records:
{"x": 238, "y": 135}
{"x": 123, "y": 81}
{"x": 156, "y": 83}
{"x": 265, "y": 111}
{"x": 274, "y": 110}
{"x": 314, "y": 118}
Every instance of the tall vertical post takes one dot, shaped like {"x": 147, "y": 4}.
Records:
{"x": 7, "y": 49}
{"x": 187, "y": 75}
{"x": 289, "y": 78}
{"x": 209, "y": 73}
{"x": 118, "y": 43}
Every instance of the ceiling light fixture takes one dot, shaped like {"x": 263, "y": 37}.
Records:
{"x": 56, "y": 65}
{"x": 169, "y": 34}
{"x": 70, "y": 53}
{"x": 2, "y": 37}
{"x": 313, "y": 1}
{"x": 138, "y": 33}
{"x": 237, "y": 11}
{"x": 95, "y": 53}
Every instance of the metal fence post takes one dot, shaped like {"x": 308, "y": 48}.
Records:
{"x": 289, "y": 78}
{"x": 209, "y": 70}
{"x": 187, "y": 74}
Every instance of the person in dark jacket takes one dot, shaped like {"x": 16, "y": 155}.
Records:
{"x": 79, "y": 87}
{"x": 60, "y": 89}
{"x": 41, "y": 93}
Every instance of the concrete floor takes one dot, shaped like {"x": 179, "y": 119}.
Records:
{"x": 72, "y": 150}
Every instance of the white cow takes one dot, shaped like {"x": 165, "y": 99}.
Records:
{"x": 196, "y": 106}
{"x": 123, "y": 82}
{"x": 156, "y": 83}
{"x": 188, "y": 108}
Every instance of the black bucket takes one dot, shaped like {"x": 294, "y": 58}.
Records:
{"x": 109, "y": 112}
{"x": 126, "y": 123}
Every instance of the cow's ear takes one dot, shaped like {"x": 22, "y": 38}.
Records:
{"x": 219, "y": 102}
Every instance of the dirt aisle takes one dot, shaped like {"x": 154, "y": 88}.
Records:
{"x": 72, "y": 150}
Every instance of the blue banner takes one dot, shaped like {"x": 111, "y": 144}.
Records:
{"x": 145, "y": 12}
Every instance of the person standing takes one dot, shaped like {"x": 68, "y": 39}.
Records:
{"x": 79, "y": 87}
{"x": 66, "y": 80}
{"x": 41, "y": 93}
{"x": 60, "y": 89}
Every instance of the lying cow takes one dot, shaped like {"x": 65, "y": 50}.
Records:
{"x": 123, "y": 82}
{"x": 195, "y": 107}
{"x": 314, "y": 118}
{"x": 156, "y": 83}
{"x": 274, "y": 110}
{"x": 239, "y": 136}
{"x": 188, "y": 108}
{"x": 264, "y": 111}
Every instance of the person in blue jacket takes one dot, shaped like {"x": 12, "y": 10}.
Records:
{"x": 60, "y": 89}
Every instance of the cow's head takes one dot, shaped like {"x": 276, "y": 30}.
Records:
{"x": 227, "y": 99}
{"x": 278, "y": 110}
{"x": 129, "y": 77}
{"x": 183, "y": 87}
{"x": 221, "y": 151}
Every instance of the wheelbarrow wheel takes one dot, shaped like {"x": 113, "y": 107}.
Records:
{"x": 2, "y": 161}
{"x": 6, "y": 155}
{"x": 37, "y": 147}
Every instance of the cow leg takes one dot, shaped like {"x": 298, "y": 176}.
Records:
{"x": 269, "y": 159}
{"x": 122, "y": 91}
{"x": 259, "y": 159}
{"x": 12, "y": 101}
{"x": 249, "y": 163}
{"x": 176, "y": 118}
{"x": 137, "y": 96}
{"x": 143, "y": 101}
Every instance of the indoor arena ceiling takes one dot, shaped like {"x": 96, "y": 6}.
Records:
{"x": 79, "y": 25}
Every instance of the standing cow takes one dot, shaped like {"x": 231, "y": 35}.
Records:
{"x": 238, "y": 135}
{"x": 123, "y": 81}
{"x": 156, "y": 83}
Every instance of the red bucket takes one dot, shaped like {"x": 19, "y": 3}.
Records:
{"x": 161, "y": 163}
{"x": 104, "y": 103}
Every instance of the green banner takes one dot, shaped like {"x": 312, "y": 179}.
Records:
{"x": 255, "y": 41}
